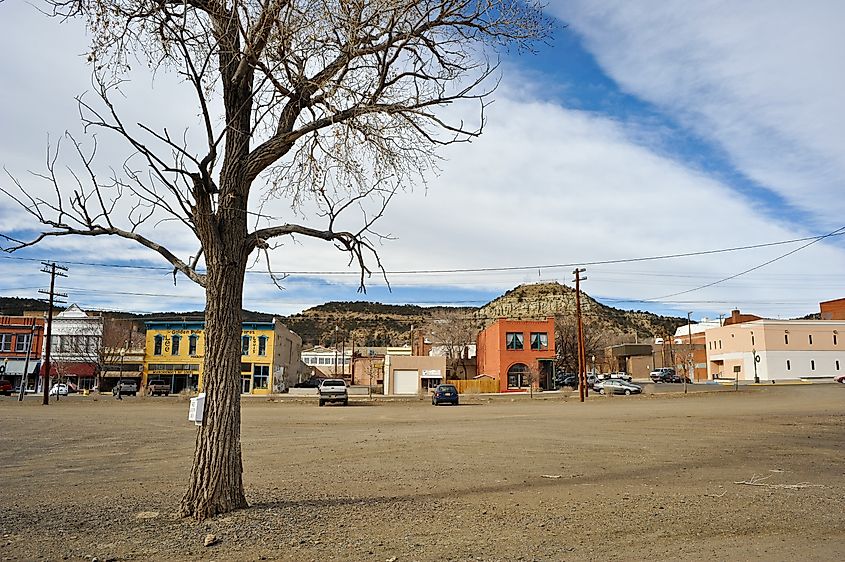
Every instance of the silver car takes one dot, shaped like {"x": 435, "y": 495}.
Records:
{"x": 618, "y": 386}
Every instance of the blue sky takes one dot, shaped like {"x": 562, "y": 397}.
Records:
{"x": 643, "y": 129}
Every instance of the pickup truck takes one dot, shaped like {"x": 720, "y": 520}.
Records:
{"x": 157, "y": 388}
{"x": 125, "y": 388}
{"x": 333, "y": 390}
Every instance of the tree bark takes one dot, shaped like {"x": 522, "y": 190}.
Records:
{"x": 216, "y": 484}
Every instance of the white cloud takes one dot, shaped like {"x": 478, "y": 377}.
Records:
{"x": 543, "y": 185}
{"x": 763, "y": 80}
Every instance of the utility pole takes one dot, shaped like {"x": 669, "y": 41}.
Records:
{"x": 582, "y": 368}
{"x": 691, "y": 352}
{"x": 334, "y": 373}
{"x": 54, "y": 271}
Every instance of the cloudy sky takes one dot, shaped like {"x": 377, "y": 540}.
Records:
{"x": 643, "y": 130}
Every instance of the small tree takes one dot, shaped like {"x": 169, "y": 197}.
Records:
{"x": 566, "y": 333}
{"x": 334, "y": 104}
{"x": 451, "y": 333}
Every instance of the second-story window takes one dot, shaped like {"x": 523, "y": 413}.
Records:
{"x": 244, "y": 345}
{"x": 22, "y": 343}
{"x": 157, "y": 345}
{"x": 539, "y": 341}
{"x": 514, "y": 340}
{"x": 174, "y": 345}
{"x": 192, "y": 344}
{"x": 262, "y": 345}
{"x": 5, "y": 342}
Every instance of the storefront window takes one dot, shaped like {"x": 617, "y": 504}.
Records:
{"x": 260, "y": 376}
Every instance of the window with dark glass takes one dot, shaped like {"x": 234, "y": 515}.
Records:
{"x": 260, "y": 376}
{"x": 244, "y": 345}
{"x": 174, "y": 345}
{"x": 812, "y": 365}
{"x": 192, "y": 344}
{"x": 5, "y": 342}
{"x": 262, "y": 345}
{"x": 786, "y": 339}
{"x": 22, "y": 343}
{"x": 788, "y": 366}
{"x": 811, "y": 339}
{"x": 157, "y": 345}
{"x": 539, "y": 341}
{"x": 514, "y": 340}
{"x": 518, "y": 376}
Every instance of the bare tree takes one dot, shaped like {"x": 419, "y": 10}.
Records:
{"x": 334, "y": 104}
{"x": 566, "y": 333}
{"x": 451, "y": 333}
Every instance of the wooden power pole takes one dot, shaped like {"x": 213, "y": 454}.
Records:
{"x": 582, "y": 356}
{"x": 54, "y": 271}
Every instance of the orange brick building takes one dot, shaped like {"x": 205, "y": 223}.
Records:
{"x": 519, "y": 353}
{"x": 21, "y": 341}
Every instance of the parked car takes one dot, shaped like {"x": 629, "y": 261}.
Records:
{"x": 663, "y": 374}
{"x": 158, "y": 387}
{"x": 567, "y": 379}
{"x": 125, "y": 388}
{"x": 313, "y": 382}
{"x": 839, "y": 378}
{"x": 5, "y": 387}
{"x": 445, "y": 394}
{"x": 333, "y": 390}
{"x": 618, "y": 386}
{"x": 59, "y": 389}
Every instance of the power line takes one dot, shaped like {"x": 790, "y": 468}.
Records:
{"x": 812, "y": 239}
{"x": 756, "y": 267}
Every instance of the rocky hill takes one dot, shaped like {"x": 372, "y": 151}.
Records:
{"x": 376, "y": 324}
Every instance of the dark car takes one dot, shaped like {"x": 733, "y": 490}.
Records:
{"x": 5, "y": 387}
{"x": 663, "y": 374}
{"x": 445, "y": 394}
{"x": 313, "y": 382}
{"x": 567, "y": 379}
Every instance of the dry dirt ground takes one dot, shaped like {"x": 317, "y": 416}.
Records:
{"x": 624, "y": 478}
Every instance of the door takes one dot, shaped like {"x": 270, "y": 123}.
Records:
{"x": 246, "y": 384}
{"x": 406, "y": 382}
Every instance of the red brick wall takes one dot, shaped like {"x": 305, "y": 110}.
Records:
{"x": 494, "y": 358}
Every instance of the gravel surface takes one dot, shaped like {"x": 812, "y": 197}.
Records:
{"x": 622, "y": 478}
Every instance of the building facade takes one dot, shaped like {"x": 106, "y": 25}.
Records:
{"x": 519, "y": 353}
{"x": 776, "y": 350}
{"x": 21, "y": 342}
{"x": 409, "y": 375}
{"x": 175, "y": 351}
{"x": 76, "y": 347}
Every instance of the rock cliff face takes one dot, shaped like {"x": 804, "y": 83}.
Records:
{"x": 540, "y": 300}
{"x": 376, "y": 324}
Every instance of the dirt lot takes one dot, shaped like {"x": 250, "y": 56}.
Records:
{"x": 624, "y": 478}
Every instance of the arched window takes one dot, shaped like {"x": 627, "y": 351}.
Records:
{"x": 518, "y": 375}
{"x": 157, "y": 346}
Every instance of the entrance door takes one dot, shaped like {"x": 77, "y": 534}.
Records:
{"x": 246, "y": 384}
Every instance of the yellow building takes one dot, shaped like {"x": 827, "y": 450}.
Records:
{"x": 175, "y": 351}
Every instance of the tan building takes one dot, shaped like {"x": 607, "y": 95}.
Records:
{"x": 410, "y": 375}
{"x": 781, "y": 349}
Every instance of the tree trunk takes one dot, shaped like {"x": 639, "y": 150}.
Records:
{"x": 216, "y": 484}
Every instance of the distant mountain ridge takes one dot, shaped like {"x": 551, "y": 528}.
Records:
{"x": 377, "y": 324}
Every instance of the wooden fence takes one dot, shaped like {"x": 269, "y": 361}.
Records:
{"x": 475, "y": 386}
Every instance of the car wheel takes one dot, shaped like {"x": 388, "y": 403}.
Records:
{"x": 322, "y": 403}
{"x": 627, "y": 392}
{"x": 346, "y": 402}
{"x": 601, "y": 391}
{"x": 456, "y": 402}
